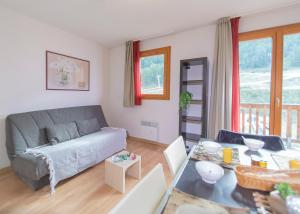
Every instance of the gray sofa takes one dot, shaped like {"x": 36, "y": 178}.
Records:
{"x": 28, "y": 130}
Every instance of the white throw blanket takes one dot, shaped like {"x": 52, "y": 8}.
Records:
{"x": 71, "y": 157}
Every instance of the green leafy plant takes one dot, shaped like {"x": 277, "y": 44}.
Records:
{"x": 185, "y": 99}
{"x": 284, "y": 190}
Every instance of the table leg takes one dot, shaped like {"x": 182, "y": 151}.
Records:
{"x": 115, "y": 176}
{"x": 135, "y": 170}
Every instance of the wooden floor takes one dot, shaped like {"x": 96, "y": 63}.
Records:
{"x": 84, "y": 193}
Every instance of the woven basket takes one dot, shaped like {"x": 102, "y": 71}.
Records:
{"x": 263, "y": 179}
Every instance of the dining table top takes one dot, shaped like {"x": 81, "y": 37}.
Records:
{"x": 226, "y": 191}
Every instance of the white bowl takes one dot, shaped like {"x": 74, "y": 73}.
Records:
{"x": 211, "y": 147}
{"x": 209, "y": 171}
{"x": 253, "y": 144}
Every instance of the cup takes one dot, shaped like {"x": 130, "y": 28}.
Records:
{"x": 227, "y": 155}
{"x": 294, "y": 164}
{"x": 293, "y": 204}
{"x": 288, "y": 143}
{"x": 263, "y": 164}
{"x": 255, "y": 160}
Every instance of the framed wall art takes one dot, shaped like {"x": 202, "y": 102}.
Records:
{"x": 67, "y": 73}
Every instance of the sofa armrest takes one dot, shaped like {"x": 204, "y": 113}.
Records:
{"x": 30, "y": 166}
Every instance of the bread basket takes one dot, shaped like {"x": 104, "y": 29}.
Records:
{"x": 258, "y": 178}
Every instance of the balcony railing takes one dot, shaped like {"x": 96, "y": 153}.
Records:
{"x": 254, "y": 119}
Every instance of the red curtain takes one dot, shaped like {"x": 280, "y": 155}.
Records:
{"x": 137, "y": 75}
{"x": 235, "y": 75}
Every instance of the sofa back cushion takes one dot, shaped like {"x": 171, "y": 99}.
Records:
{"x": 86, "y": 127}
{"x": 27, "y": 130}
{"x": 58, "y": 133}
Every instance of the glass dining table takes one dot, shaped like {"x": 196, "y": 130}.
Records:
{"x": 226, "y": 191}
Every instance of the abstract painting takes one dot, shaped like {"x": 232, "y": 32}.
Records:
{"x": 66, "y": 73}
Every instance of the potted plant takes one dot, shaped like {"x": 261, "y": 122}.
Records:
{"x": 185, "y": 100}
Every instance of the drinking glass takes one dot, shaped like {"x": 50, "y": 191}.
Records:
{"x": 293, "y": 204}
{"x": 227, "y": 155}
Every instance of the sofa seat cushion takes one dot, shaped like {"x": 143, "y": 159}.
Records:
{"x": 111, "y": 141}
{"x": 58, "y": 133}
{"x": 86, "y": 127}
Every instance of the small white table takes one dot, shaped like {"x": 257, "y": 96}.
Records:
{"x": 115, "y": 172}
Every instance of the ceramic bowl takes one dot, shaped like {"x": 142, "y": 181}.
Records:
{"x": 253, "y": 144}
{"x": 209, "y": 171}
{"x": 211, "y": 147}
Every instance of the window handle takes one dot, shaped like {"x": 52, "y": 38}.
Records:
{"x": 278, "y": 101}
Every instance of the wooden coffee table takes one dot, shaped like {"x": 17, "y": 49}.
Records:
{"x": 115, "y": 172}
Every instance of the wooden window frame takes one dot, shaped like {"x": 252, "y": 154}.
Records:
{"x": 166, "y": 51}
{"x": 277, "y": 34}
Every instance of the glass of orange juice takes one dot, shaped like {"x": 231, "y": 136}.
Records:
{"x": 263, "y": 164}
{"x": 227, "y": 155}
{"x": 294, "y": 164}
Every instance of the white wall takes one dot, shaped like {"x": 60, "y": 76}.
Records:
{"x": 284, "y": 16}
{"x": 189, "y": 44}
{"x": 23, "y": 43}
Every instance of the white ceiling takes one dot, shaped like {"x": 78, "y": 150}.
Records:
{"x": 111, "y": 22}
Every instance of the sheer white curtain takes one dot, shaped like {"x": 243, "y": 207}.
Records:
{"x": 221, "y": 88}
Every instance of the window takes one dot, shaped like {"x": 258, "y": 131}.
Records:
{"x": 155, "y": 73}
{"x": 255, "y": 84}
{"x": 269, "y": 81}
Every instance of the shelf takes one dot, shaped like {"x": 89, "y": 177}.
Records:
{"x": 192, "y": 119}
{"x": 191, "y": 137}
{"x": 196, "y": 102}
{"x": 194, "y": 78}
{"x": 192, "y": 82}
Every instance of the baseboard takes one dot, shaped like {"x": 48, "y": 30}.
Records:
{"x": 5, "y": 170}
{"x": 146, "y": 141}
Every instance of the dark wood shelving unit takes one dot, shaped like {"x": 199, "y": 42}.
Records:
{"x": 197, "y": 102}
{"x": 191, "y": 119}
{"x": 191, "y": 137}
{"x": 192, "y": 82}
{"x": 194, "y": 79}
